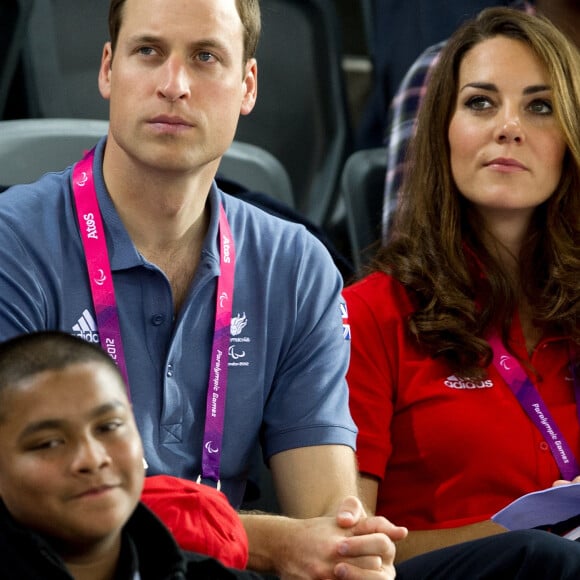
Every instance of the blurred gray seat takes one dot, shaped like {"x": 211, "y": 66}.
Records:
{"x": 302, "y": 115}
{"x": 31, "y": 147}
{"x": 257, "y": 170}
{"x": 362, "y": 187}
{"x": 61, "y": 58}
{"x": 14, "y": 16}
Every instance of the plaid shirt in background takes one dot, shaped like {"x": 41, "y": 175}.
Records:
{"x": 403, "y": 112}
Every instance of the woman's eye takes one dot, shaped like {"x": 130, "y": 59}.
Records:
{"x": 541, "y": 107}
{"x": 478, "y": 103}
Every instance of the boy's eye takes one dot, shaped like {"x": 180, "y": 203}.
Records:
{"x": 46, "y": 444}
{"x": 110, "y": 426}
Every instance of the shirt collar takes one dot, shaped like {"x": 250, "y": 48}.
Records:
{"x": 122, "y": 251}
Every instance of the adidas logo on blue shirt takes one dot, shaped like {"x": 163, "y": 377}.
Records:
{"x": 86, "y": 328}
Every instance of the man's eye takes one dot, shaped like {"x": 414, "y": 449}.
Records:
{"x": 146, "y": 50}
{"x": 206, "y": 57}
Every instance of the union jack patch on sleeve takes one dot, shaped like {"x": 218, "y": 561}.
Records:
{"x": 345, "y": 324}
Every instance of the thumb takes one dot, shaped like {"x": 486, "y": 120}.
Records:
{"x": 350, "y": 511}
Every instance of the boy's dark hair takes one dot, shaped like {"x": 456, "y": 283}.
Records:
{"x": 29, "y": 354}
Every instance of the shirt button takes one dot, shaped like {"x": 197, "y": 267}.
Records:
{"x": 157, "y": 319}
{"x": 544, "y": 446}
{"x": 169, "y": 370}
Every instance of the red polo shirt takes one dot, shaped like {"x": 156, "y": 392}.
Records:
{"x": 448, "y": 452}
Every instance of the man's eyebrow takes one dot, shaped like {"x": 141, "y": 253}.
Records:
{"x": 210, "y": 44}
{"x": 47, "y": 424}
{"x": 200, "y": 43}
{"x": 144, "y": 39}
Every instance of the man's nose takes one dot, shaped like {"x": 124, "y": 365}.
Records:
{"x": 174, "y": 83}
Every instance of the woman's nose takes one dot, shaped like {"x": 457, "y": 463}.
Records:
{"x": 510, "y": 130}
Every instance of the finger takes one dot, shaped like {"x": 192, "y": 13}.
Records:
{"x": 379, "y": 525}
{"x": 346, "y": 571}
{"x": 562, "y": 482}
{"x": 368, "y": 545}
{"x": 350, "y": 512}
{"x": 373, "y": 562}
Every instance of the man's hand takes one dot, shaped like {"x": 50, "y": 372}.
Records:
{"x": 328, "y": 534}
{"x": 346, "y": 546}
{"x": 370, "y": 551}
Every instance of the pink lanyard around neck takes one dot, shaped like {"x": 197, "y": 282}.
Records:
{"x": 106, "y": 311}
{"x": 218, "y": 371}
{"x": 532, "y": 403}
{"x": 97, "y": 260}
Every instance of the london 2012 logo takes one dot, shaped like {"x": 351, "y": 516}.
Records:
{"x": 238, "y": 324}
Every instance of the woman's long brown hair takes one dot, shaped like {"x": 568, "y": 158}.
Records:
{"x": 436, "y": 250}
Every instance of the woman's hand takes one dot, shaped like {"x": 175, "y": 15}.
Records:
{"x": 565, "y": 481}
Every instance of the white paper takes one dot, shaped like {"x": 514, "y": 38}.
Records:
{"x": 541, "y": 508}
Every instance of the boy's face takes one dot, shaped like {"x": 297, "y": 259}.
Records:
{"x": 71, "y": 459}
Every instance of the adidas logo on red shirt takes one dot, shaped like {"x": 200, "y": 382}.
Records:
{"x": 454, "y": 382}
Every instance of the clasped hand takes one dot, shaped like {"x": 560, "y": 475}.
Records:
{"x": 349, "y": 546}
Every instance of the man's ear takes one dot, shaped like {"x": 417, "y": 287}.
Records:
{"x": 105, "y": 71}
{"x": 250, "y": 86}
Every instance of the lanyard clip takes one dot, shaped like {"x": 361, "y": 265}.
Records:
{"x": 218, "y": 482}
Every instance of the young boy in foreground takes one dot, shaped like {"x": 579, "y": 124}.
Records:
{"x": 72, "y": 471}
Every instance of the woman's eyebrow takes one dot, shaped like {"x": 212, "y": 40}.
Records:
{"x": 536, "y": 89}
{"x": 532, "y": 89}
{"x": 480, "y": 85}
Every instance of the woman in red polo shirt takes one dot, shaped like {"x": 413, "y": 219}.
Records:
{"x": 465, "y": 338}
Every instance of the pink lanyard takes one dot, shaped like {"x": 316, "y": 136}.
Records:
{"x": 531, "y": 401}
{"x": 103, "y": 294}
{"x": 97, "y": 260}
{"x": 218, "y": 371}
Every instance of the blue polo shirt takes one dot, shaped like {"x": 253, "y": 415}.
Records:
{"x": 287, "y": 363}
